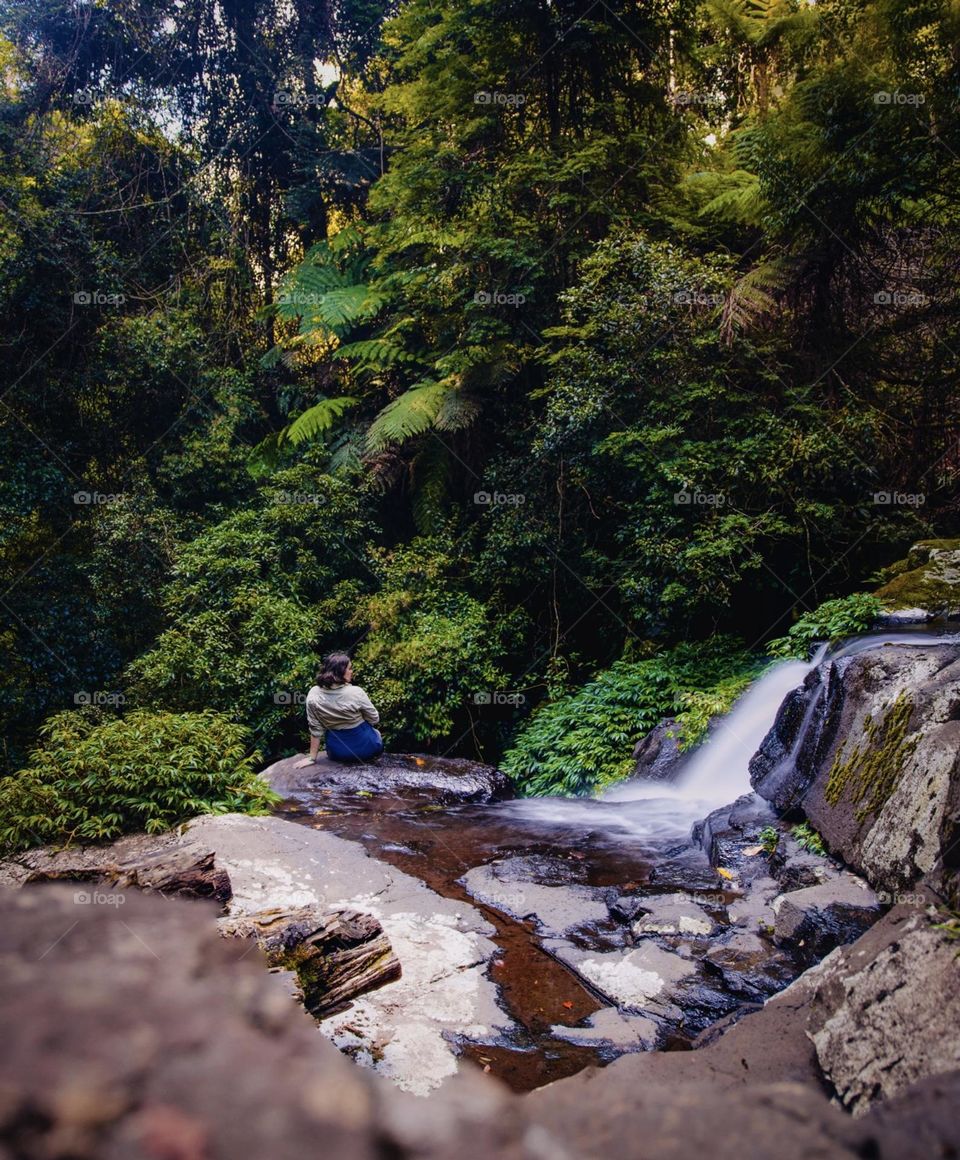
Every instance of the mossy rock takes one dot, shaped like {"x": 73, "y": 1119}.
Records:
{"x": 927, "y": 579}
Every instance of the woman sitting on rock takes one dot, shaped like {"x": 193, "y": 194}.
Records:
{"x": 344, "y": 711}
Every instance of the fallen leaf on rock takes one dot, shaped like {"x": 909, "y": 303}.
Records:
{"x": 750, "y": 851}
{"x": 568, "y": 1005}
{"x": 725, "y": 873}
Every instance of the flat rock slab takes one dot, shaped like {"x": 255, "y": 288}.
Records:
{"x": 443, "y": 780}
{"x": 672, "y": 914}
{"x": 408, "y": 1029}
{"x": 556, "y": 910}
{"x": 641, "y": 980}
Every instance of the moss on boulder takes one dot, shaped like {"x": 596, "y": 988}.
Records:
{"x": 926, "y": 580}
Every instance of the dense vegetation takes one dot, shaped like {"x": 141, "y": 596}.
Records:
{"x": 508, "y": 345}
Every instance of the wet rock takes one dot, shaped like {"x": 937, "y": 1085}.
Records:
{"x": 672, "y": 914}
{"x": 750, "y": 966}
{"x": 611, "y": 1028}
{"x": 643, "y": 980}
{"x": 440, "y": 780}
{"x": 557, "y": 910}
{"x": 815, "y": 920}
{"x": 730, "y": 836}
{"x": 877, "y": 767}
{"x": 885, "y": 1018}
{"x": 803, "y": 731}
{"x": 795, "y": 868}
{"x": 688, "y": 868}
{"x": 408, "y": 1029}
{"x": 336, "y": 956}
{"x": 658, "y": 756}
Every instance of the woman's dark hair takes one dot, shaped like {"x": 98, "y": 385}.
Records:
{"x": 334, "y": 668}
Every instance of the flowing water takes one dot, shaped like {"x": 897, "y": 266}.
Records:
{"x": 634, "y": 840}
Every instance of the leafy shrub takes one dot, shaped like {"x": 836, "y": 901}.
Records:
{"x": 254, "y": 599}
{"x": 582, "y": 742}
{"x": 831, "y": 621}
{"x": 431, "y": 646}
{"x": 809, "y": 839}
{"x": 94, "y": 778}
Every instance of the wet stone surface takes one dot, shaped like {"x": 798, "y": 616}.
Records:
{"x": 612, "y": 931}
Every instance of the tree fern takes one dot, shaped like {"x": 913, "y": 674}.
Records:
{"x": 316, "y": 421}
{"x": 411, "y": 414}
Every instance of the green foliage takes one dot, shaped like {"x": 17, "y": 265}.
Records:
{"x": 94, "y": 778}
{"x": 430, "y": 647}
{"x": 254, "y": 600}
{"x": 809, "y": 839}
{"x": 769, "y": 839}
{"x": 831, "y": 621}
{"x": 582, "y": 742}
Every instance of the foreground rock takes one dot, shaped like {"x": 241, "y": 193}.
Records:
{"x": 138, "y": 1034}
{"x": 133, "y": 1032}
{"x": 441, "y": 780}
{"x": 869, "y": 751}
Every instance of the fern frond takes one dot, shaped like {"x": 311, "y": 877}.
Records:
{"x": 754, "y": 296}
{"x": 315, "y": 421}
{"x": 411, "y": 414}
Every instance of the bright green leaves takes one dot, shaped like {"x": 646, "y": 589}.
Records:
{"x": 94, "y": 778}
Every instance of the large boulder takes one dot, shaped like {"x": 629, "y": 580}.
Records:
{"x": 814, "y": 920}
{"x": 134, "y": 1032}
{"x": 404, "y": 776}
{"x": 869, "y": 751}
{"x": 924, "y": 585}
{"x": 882, "y": 1023}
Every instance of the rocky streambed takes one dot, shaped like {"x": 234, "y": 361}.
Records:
{"x": 738, "y": 988}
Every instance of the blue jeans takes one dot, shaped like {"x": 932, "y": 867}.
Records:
{"x": 361, "y": 743}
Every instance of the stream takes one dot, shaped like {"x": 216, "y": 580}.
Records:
{"x": 568, "y": 875}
